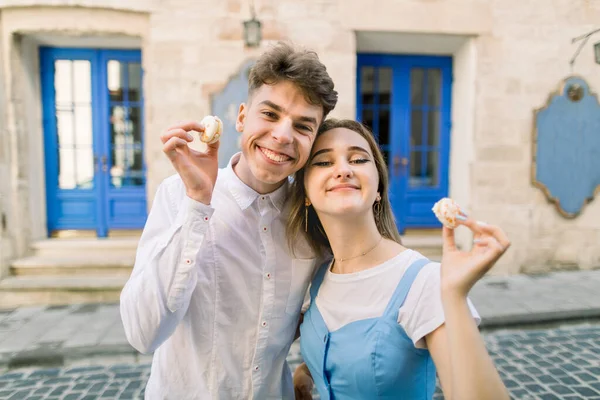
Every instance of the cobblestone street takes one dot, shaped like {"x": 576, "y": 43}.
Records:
{"x": 551, "y": 363}
{"x": 548, "y": 364}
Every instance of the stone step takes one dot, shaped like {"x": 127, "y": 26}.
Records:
{"x": 71, "y": 271}
{"x": 18, "y": 291}
{"x": 430, "y": 245}
{"x": 74, "y": 264}
{"x": 89, "y": 247}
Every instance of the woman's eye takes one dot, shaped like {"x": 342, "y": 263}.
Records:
{"x": 321, "y": 163}
{"x": 360, "y": 161}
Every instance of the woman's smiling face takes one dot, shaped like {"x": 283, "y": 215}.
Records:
{"x": 341, "y": 176}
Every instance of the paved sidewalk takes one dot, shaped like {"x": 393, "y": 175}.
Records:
{"x": 557, "y": 363}
{"x": 526, "y": 299}
{"x": 64, "y": 335}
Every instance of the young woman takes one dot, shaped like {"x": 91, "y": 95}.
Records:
{"x": 382, "y": 318}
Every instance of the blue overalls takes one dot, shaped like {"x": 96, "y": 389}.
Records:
{"x": 367, "y": 359}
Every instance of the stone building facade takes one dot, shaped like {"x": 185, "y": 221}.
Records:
{"x": 503, "y": 58}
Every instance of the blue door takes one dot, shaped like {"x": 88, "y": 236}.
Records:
{"x": 405, "y": 100}
{"x": 93, "y": 139}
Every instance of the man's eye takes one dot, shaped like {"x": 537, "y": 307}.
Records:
{"x": 270, "y": 114}
{"x": 304, "y": 128}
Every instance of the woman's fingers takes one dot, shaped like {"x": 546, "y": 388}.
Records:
{"x": 481, "y": 228}
{"x": 496, "y": 232}
{"x": 489, "y": 249}
{"x": 488, "y": 242}
{"x": 449, "y": 243}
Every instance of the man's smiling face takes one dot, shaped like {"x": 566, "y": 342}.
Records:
{"x": 278, "y": 129}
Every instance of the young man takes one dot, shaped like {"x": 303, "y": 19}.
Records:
{"x": 215, "y": 292}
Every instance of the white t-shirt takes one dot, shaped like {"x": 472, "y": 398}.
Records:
{"x": 345, "y": 298}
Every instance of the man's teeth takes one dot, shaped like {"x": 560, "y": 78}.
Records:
{"x": 271, "y": 155}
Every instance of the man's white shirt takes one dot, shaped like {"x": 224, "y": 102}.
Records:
{"x": 215, "y": 293}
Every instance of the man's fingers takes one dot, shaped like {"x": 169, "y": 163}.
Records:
{"x": 170, "y": 147}
{"x": 188, "y": 126}
{"x": 180, "y": 133}
{"x": 213, "y": 148}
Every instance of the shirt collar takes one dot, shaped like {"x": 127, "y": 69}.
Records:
{"x": 244, "y": 195}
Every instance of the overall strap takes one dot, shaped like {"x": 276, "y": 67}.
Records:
{"x": 317, "y": 280}
{"x": 404, "y": 286}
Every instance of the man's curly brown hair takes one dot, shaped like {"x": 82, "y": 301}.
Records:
{"x": 285, "y": 62}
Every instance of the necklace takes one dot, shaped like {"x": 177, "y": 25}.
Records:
{"x": 361, "y": 254}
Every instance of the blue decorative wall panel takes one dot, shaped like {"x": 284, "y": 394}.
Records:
{"x": 566, "y": 147}
{"x": 225, "y": 105}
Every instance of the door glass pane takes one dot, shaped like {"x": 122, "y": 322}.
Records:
{"x": 384, "y": 127}
{"x": 136, "y": 171}
{"x": 136, "y": 124}
{"x": 433, "y": 128}
{"x": 434, "y": 87}
{"x": 84, "y": 159}
{"x": 416, "y": 128}
{"x": 116, "y": 80}
{"x": 128, "y": 168}
{"x": 385, "y": 85}
{"x": 126, "y": 150}
{"x": 66, "y": 168}
{"x": 65, "y": 128}
{"x": 367, "y": 118}
{"x": 121, "y": 142}
{"x": 424, "y": 168}
{"x": 83, "y": 125}
{"x": 367, "y": 85}
{"x": 73, "y": 99}
{"x": 432, "y": 168}
{"x": 75, "y": 168}
{"x": 82, "y": 81}
{"x": 63, "y": 79}
{"x": 415, "y": 168}
{"x": 117, "y": 170}
{"x": 135, "y": 81}
{"x": 416, "y": 86}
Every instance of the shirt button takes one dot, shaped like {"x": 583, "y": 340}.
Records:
{"x": 264, "y": 228}
{"x": 264, "y": 323}
{"x": 188, "y": 261}
{"x": 262, "y": 197}
{"x": 268, "y": 275}
{"x": 256, "y": 368}
{"x": 206, "y": 218}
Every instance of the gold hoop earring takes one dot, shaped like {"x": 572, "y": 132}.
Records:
{"x": 377, "y": 210}
{"x": 306, "y": 204}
